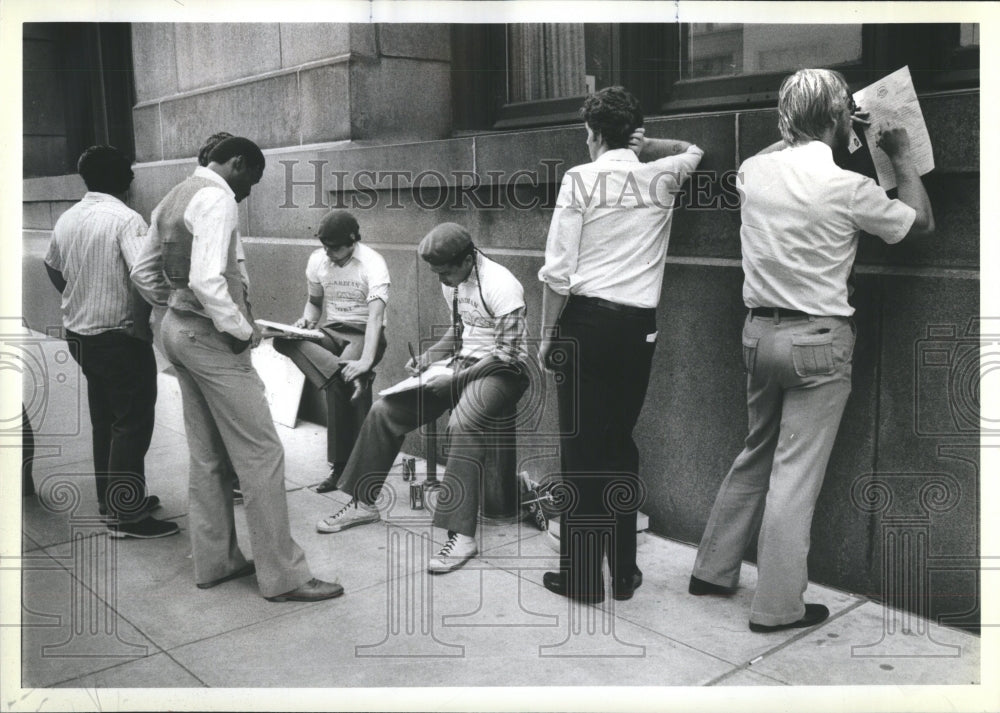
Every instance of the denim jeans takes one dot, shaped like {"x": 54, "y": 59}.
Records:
{"x": 798, "y": 381}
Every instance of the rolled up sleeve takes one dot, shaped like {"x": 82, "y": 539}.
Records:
{"x": 562, "y": 246}
{"x": 147, "y": 270}
{"x": 212, "y": 216}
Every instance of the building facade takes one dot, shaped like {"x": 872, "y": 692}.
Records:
{"x": 412, "y": 125}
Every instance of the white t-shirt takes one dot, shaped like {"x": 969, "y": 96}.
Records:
{"x": 801, "y": 214}
{"x": 347, "y": 290}
{"x": 503, "y": 294}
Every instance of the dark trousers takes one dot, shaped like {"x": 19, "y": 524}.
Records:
{"x": 482, "y": 405}
{"x": 121, "y": 394}
{"x": 601, "y": 388}
{"x": 320, "y": 362}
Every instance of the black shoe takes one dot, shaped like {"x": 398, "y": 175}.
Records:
{"x": 152, "y": 503}
{"x": 699, "y": 587}
{"x": 624, "y": 587}
{"x": 147, "y": 529}
{"x": 244, "y": 571}
{"x": 815, "y": 613}
{"x": 329, "y": 484}
{"x": 556, "y": 582}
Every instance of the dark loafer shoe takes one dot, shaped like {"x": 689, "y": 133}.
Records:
{"x": 556, "y": 582}
{"x": 315, "y": 590}
{"x": 152, "y": 503}
{"x": 815, "y": 613}
{"x": 699, "y": 587}
{"x": 244, "y": 571}
{"x": 328, "y": 485}
{"x": 624, "y": 588}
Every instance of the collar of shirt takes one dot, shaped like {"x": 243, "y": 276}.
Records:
{"x": 813, "y": 149}
{"x": 97, "y": 196}
{"x": 211, "y": 175}
{"x": 627, "y": 155}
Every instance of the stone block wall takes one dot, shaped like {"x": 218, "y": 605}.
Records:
{"x": 358, "y": 117}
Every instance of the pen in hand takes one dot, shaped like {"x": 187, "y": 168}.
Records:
{"x": 413, "y": 357}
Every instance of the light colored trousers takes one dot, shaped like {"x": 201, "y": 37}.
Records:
{"x": 226, "y": 411}
{"x": 798, "y": 381}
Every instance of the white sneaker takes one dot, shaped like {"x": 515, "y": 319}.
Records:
{"x": 350, "y": 515}
{"x": 458, "y": 550}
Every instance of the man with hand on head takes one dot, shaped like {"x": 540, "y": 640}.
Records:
{"x": 191, "y": 263}
{"x": 801, "y": 215}
{"x": 350, "y": 282}
{"x": 603, "y": 272}
{"x": 486, "y": 345}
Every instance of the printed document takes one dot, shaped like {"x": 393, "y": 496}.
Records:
{"x": 892, "y": 101}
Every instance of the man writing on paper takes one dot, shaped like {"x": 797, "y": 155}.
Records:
{"x": 487, "y": 341}
{"x": 190, "y": 262}
{"x": 351, "y": 281}
{"x": 801, "y": 215}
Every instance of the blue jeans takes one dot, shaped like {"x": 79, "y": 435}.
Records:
{"x": 798, "y": 381}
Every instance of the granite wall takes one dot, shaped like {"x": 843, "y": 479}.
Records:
{"x": 342, "y": 124}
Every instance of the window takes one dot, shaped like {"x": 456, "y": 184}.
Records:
{"x": 78, "y": 91}
{"x": 538, "y": 74}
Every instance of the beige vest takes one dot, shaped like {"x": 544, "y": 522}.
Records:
{"x": 176, "y": 242}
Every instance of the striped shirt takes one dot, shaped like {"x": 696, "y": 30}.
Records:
{"x": 94, "y": 244}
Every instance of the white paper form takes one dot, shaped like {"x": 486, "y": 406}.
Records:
{"x": 892, "y": 101}
{"x": 438, "y": 368}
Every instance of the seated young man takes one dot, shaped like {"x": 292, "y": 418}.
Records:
{"x": 351, "y": 281}
{"x": 487, "y": 343}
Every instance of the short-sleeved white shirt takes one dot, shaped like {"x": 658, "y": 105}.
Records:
{"x": 503, "y": 294}
{"x": 801, "y": 214}
{"x": 347, "y": 290}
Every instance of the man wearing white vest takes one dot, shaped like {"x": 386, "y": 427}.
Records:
{"x": 192, "y": 262}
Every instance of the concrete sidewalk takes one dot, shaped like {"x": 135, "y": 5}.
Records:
{"x": 99, "y": 612}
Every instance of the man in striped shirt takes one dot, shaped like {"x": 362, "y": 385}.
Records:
{"x": 94, "y": 244}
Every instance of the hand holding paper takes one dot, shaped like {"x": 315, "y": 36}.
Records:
{"x": 891, "y": 103}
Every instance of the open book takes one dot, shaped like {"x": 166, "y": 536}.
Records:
{"x": 415, "y": 382}
{"x": 277, "y": 329}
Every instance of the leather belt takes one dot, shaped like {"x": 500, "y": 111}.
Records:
{"x": 608, "y": 304}
{"x": 778, "y": 312}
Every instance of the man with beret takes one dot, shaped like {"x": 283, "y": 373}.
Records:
{"x": 351, "y": 281}
{"x": 486, "y": 346}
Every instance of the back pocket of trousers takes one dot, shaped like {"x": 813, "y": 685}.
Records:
{"x": 812, "y": 354}
{"x": 749, "y": 353}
